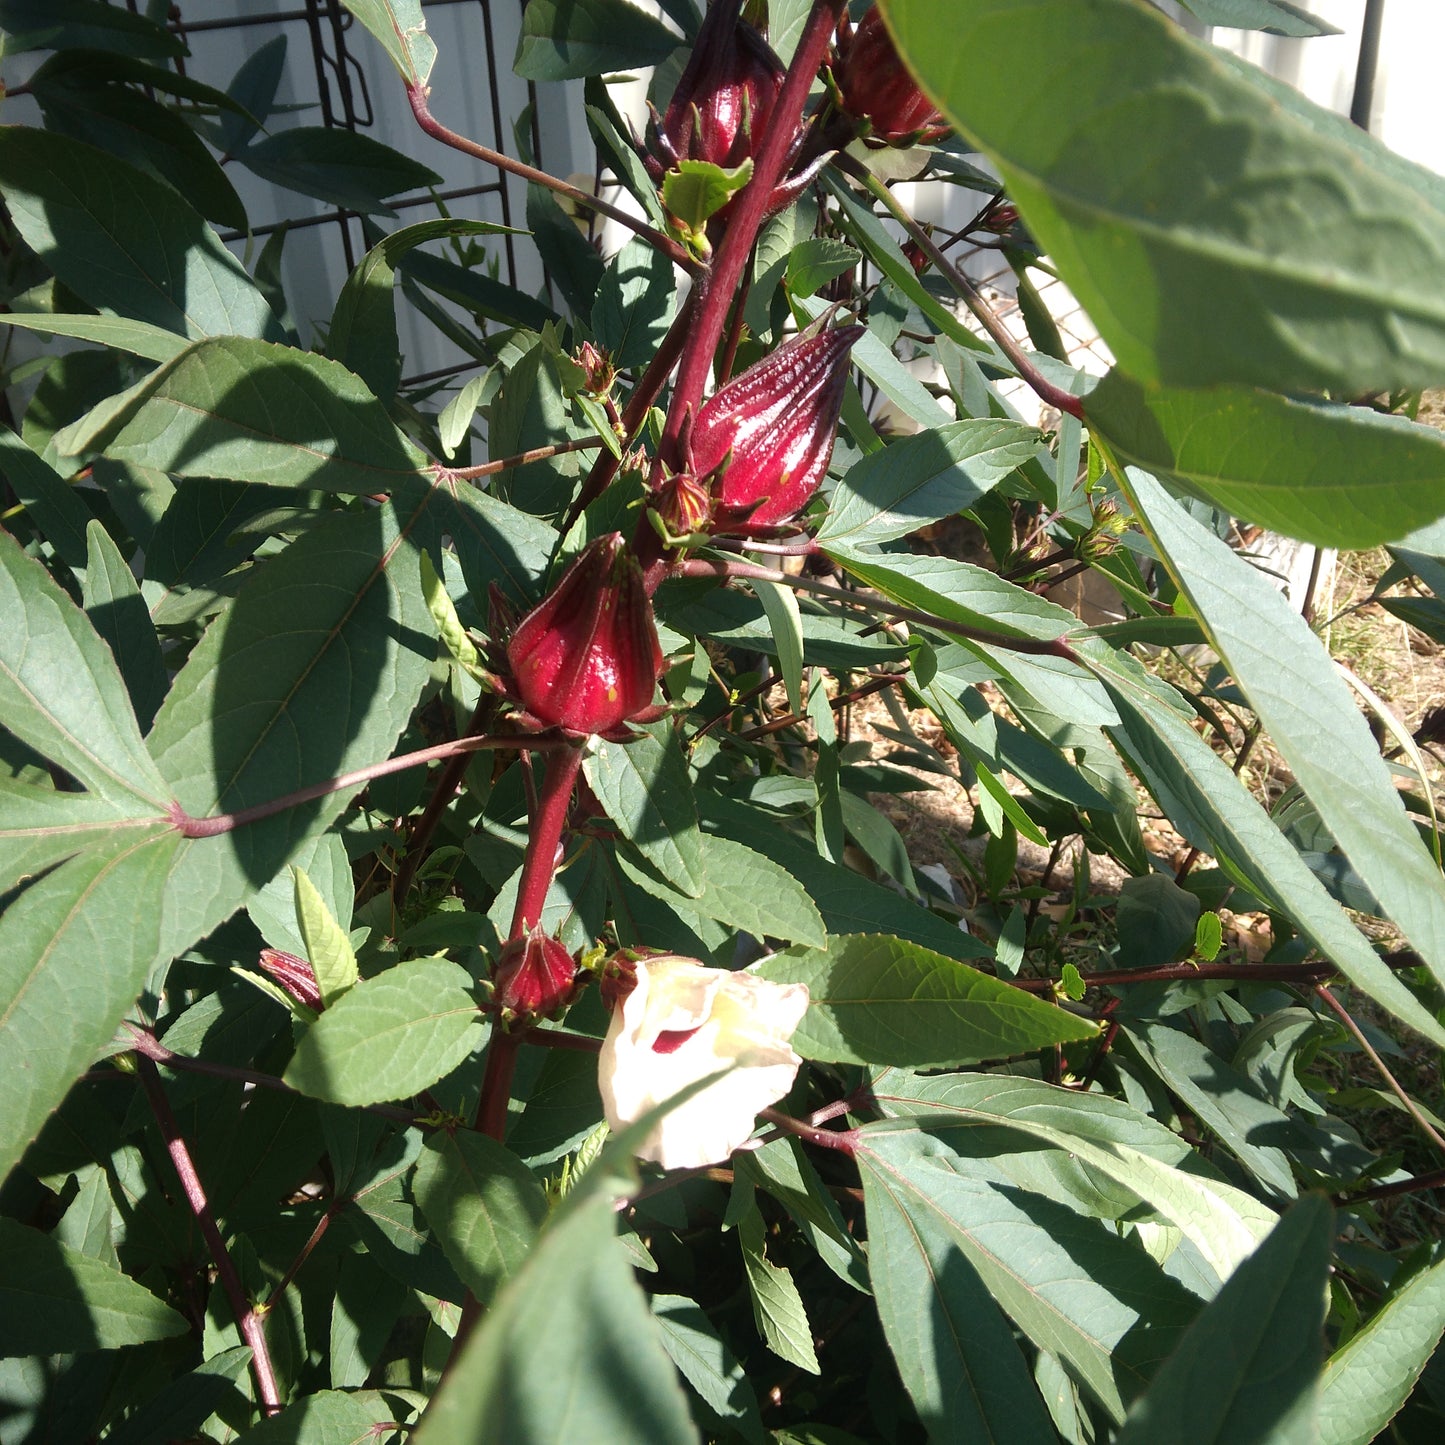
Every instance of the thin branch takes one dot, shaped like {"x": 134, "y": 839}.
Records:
{"x": 673, "y": 250}
{"x": 190, "y": 827}
{"x": 248, "y": 1321}
{"x": 537, "y": 454}
{"x": 1394, "y": 1085}
{"x": 1023, "y": 363}
{"x": 843, "y": 700}
{"x": 1435, "y": 1179}
{"x": 845, "y": 1141}
{"x": 317, "y": 1234}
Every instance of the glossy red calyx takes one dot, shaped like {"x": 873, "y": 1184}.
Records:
{"x": 771, "y": 431}
{"x": 726, "y": 95}
{"x": 876, "y": 88}
{"x": 535, "y": 977}
{"x": 586, "y": 658}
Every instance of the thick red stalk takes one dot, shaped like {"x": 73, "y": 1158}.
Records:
{"x": 718, "y": 286}
{"x": 540, "y": 865}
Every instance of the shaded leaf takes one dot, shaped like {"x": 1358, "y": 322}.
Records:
{"x": 567, "y": 39}
{"x": 339, "y": 166}
{"x": 400, "y": 26}
{"x": 706, "y": 1363}
{"x": 635, "y": 302}
{"x": 777, "y": 1306}
{"x": 118, "y": 613}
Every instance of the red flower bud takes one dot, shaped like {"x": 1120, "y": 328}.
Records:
{"x": 772, "y": 428}
{"x": 294, "y": 974}
{"x": 596, "y": 363}
{"x": 876, "y": 87}
{"x": 726, "y": 95}
{"x": 535, "y": 977}
{"x": 683, "y": 505}
{"x": 586, "y": 658}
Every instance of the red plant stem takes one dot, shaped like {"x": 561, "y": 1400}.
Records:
{"x": 673, "y": 250}
{"x": 540, "y": 865}
{"x": 1395, "y": 1087}
{"x": 491, "y": 1117}
{"x": 1300, "y": 973}
{"x": 748, "y": 571}
{"x": 190, "y": 827}
{"x": 1435, "y": 1179}
{"x": 843, "y": 700}
{"x": 317, "y": 1235}
{"x": 719, "y": 285}
{"x": 249, "y": 1323}
{"x": 843, "y": 1140}
{"x": 1043, "y": 388}
{"x": 537, "y": 454}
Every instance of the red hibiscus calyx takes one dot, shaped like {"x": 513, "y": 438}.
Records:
{"x": 535, "y": 977}
{"x": 871, "y": 83}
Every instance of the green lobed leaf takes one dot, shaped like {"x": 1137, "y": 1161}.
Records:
{"x": 55, "y": 1299}
{"x": 1209, "y": 233}
{"x": 125, "y": 242}
{"x": 881, "y": 1000}
{"x": 694, "y": 190}
{"x": 915, "y": 481}
{"x": 328, "y": 948}
{"x": 777, "y": 1306}
{"x": 483, "y": 1204}
{"x": 390, "y": 1036}
{"x": 75, "y": 948}
{"x": 1248, "y": 1368}
{"x": 251, "y": 411}
{"x": 119, "y": 614}
{"x": 955, "y": 1352}
{"x": 1202, "y": 795}
{"x": 568, "y": 1351}
{"x": 400, "y": 26}
{"x": 312, "y": 671}
{"x": 61, "y": 692}
{"x": 567, "y": 39}
{"x": 41, "y": 826}
{"x": 1338, "y": 476}
{"x": 328, "y": 1417}
{"x": 1309, "y": 713}
{"x": 646, "y": 789}
{"x": 1367, "y": 1381}
{"x": 1069, "y": 1283}
{"x": 635, "y": 303}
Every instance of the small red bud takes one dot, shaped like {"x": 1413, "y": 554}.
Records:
{"x": 586, "y": 658}
{"x": 684, "y": 505}
{"x": 916, "y": 257}
{"x": 876, "y": 87}
{"x": 535, "y": 977}
{"x": 725, "y": 98}
{"x": 597, "y": 364}
{"x": 773, "y": 426}
{"x": 294, "y": 974}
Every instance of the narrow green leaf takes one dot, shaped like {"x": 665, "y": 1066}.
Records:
{"x": 483, "y": 1204}
{"x": 777, "y": 1306}
{"x": 781, "y": 606}
{"x": 50, "y": 500}
{"x": 54, "y": 1299}
{"x": 60, "y": 690}
{"x": 119, "y": 614}
{"x": 139, "y": 338}
{"x": 1123, "y": 1146}
{"x": 955, "y": 1352}
{"x": 646, "y": 788}
{"x": 1279, "y": 17}
{"x": 328, "y": 949}
{"x": 567, "y": 39}
{"x": 1248, "y": 1368}
{"x": 400, "y": 26}
{"x": 1202, "y": 795}
{"x": 449, "y": 626}
{"x": 390, "y": 1036}
{"x": 1338, "y": 476}
{"x": 125, "y": 242}
{"x": 1367, "y": 1381}
{"x": 75, "y": 948}
{"x": 568, "y": 1351}
{"x": 915, "y": 481}
{"x": 342, "y": 167}
{"x": 1070, "y": 1284}
{"x": 454, "y": 423}
{"x": 1210, "y": 234}
{"x": 1309, "y": 713}
{"x": 635, "y": 303}
{"x": 742, "y": 889}
{"x": 882, "y": 1000}
{"x": 250, "y": 411}
{"x": 53, "y": 24}
{"x": 179, "y": 1411}
{"x": 706, "y": 1363}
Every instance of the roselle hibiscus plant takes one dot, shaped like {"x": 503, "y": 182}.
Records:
{"x": 764, "y": 859}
